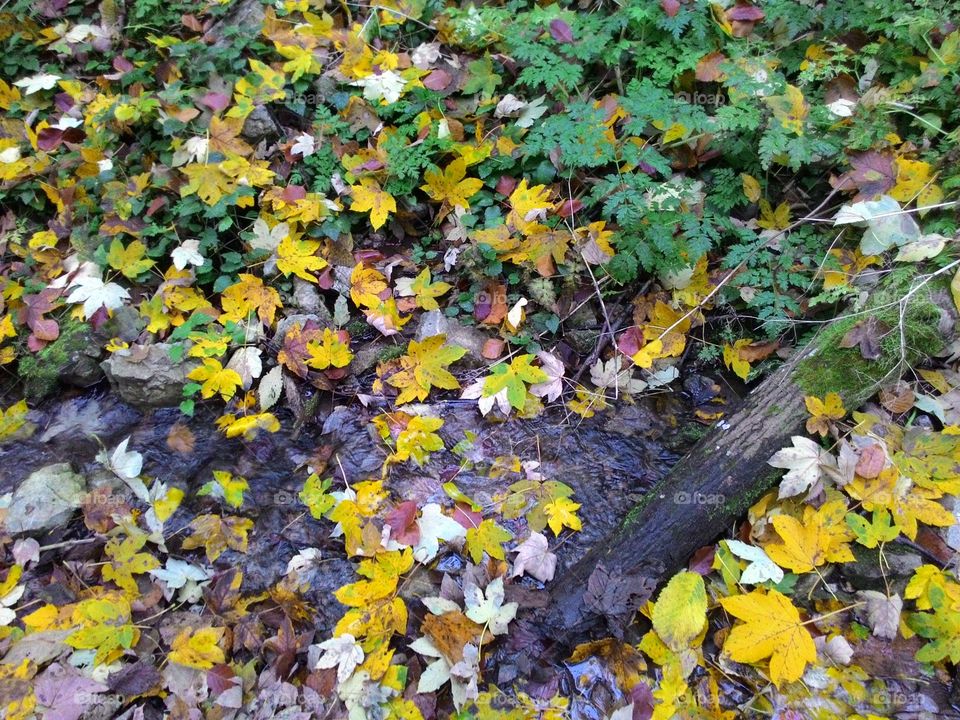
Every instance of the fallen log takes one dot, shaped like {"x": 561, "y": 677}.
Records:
{"x": 715, "y": 483}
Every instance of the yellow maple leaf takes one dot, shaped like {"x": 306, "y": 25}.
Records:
{"x": 300, "y": 61}
{"x": 774, "y": 219}
{"x": 300, "y": 258}
{"x": 733, "y": 360}
{"x": 426, "y": 292}
{"x": 198, "y": 648}
{"x": 418, "y": 440}
{"x": 369, "y": 196}
{"x": 751, "y": 187}
{"x": 131, "y": 261}
{"x": 487, "y": 537}
{"x": 822, "y": 537}
{"x": 13, "y": 418}
{"x": 915, "y": 181}
{"x": 790, "y": 109}
{"x": 424, "y": 367}
{"x": 561, "y": 513}
{"x": 215, "y": 378}
{"x": 367, "y": 285}
{"x": 645, "y": 356}
{"x": 331, "y": 351}
{"x": 247, "y": 296}
{"x": 823, "y": 412}
{"x": 772, "y": 629}
{"x": 450, "y": 186}
{"x": 215, "y": 534}
{"x": 907, "y": 502}
{"x": 248, "y": 425}
{"x": 125, "y": 562}
{"x": 207, "y": 181}
{"x": 103, "y": 624}
{"x": 527, "y": 204}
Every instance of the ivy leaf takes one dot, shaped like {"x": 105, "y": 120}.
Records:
{"x": 772, "y": 629}
{"x": 450, "y": 186}
{"x": 368, "y": 196}
{"x": 424, "y": 367}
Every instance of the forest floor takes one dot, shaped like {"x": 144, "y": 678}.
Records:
{"x": 333, "y": 334}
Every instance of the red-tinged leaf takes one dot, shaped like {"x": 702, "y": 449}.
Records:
{"x": 216, "y": 101}
{"x": 156, "y": 204}
{"x": 871, "y": 462}
{"x": 506, "y": 185}
{"x": 293, "y": 193}
{"x": 630, "y": 342}
{"x": 670, "y": 7}
{"x": 873, "y": 173}
{"x": 437, "y": 80}
{"x": 493, "y": 348}
{"x": 191, "y": 23}
{"x": 464, "y": 515}
{"x": 569, "y": 207}
{"x": 560, "y": 31}
{"x": 326, "y": 278}
{"x": 403, "y": 523}
{"x": 745, "y": 12}
{"x": 702, "y": 560}
{"x": 121, "y": 64}
{"x": 708, "y": 67}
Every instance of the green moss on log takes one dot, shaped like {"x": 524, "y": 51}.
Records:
{"x": 845, "y": 371}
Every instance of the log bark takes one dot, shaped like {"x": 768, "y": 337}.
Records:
{"x": 714, "y": 484}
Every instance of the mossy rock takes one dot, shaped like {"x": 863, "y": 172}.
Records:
{"x": 71, "y": 358}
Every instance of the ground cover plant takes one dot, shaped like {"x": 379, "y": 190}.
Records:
{"x": 251, "y": 221}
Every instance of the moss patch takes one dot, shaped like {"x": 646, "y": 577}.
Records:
{"x": 845, "y": 370}
{"x": 40, "y": 371}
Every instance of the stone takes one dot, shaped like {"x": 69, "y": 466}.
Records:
{"x": 145, "y": 376}
{"x": 45, "y": 500}
{"x": 245, "y": 14}
{"x": 308, "y": 299}
{"x": 322, "y": 319}
{"x": 259, "y": 124}
{"x": 435, "y": 322}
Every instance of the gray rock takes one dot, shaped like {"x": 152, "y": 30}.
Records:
{"x": 307, "y": 298}
{"x": 259, "y": 124}
{"x": 147, "y": 377}
{"x": 245, "y": 14}
{"x": 45, "y": 500}
{"x": 436, "y": 323}
{"x": 322, "y": 319}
